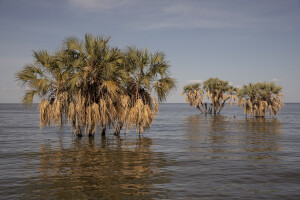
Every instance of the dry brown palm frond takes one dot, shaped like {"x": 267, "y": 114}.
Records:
{"x": 89, "y": 118}
{"x": 103, "y": 112}
{"x": 256, "y": 109}
{"x": 56, "y": 112}
{"x": 249, "y": 103}
{"x": 123, "y": 109}
{"x": 208, "y": 95}
{"x": 80, "y": 109}
{"x": 214, "y": 98}
{"x": 156, "y": 106}
{"x": 44, "y": 112}
{"x": 125, "y": 101}
{"x": 71, "y": 114}
{"x": 148, "y": 116}
{"x": 135, "y": 115}
{"x": 111, "y": 110}
{"x": 111, "y": 87}
{"x": 95, "y": 113}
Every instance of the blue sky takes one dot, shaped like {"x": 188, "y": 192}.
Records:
{"x": 236, "y": 40}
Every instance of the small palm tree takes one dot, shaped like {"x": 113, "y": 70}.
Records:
{"x": 219, "y": 92}
{"x": 259, "y": 98}
{"x": 194, "y": 96}
{"x": 214, "y": 89}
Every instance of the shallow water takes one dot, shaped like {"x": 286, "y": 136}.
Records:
{"x": 185, "y": 155}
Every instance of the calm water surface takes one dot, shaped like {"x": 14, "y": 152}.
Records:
{"x": 185, "y": 155}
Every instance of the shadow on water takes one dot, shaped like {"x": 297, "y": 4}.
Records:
{"x": 221, "y": 135}
{"x": 112, "y": 168}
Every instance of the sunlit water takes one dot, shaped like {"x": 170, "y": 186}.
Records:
{"x": 185, "y": 155}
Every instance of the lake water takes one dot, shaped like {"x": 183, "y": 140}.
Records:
{"x": 185, "y": 155}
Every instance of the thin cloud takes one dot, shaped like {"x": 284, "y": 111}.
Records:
{"x": 172, "y": 14}
{"x": 98, "y": 5}
{"x": 189, "y": 14}
{"x": 276, "y": 80}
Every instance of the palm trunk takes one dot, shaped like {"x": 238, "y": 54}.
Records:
{"x": 77, "y": 128}
{"x": 91, "y": 130}
{"x": 199, "y": 108}
{"x": 222, "y": 105}
{"x": 118, "y": 129}
{"x": 103, "y": 130}
{"x": 78, "y": 131}
{"x": 204, "y": 107}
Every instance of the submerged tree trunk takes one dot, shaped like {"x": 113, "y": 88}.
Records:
{"x": 77, "y": 128}
{"x": 78, "y": 131}
{"x": 210, "y": 109}
{"x": 222, "y": 106}
{"x": 118, "y": 129}
{"x": 198, "y": 106}
{"x": 103, "y": 130}
{"x": 91, "y": 130}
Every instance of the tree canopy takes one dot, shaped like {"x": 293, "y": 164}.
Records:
{"x": 215, "y": 90}
{"x": 259, "y": 99}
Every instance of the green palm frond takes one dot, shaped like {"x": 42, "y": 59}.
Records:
{"x": 28, "y": 97}
{"x": 72, "y": 43}
{"x": 163, "y": 87}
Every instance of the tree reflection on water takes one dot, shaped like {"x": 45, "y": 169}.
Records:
{"x": 113, "y": 168}
{"x": 227, "y": 136}
{"x": 263, "y": 135}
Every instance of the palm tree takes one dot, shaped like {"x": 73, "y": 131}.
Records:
{"x": 259, "y": 98}
{"x": 47, "y": 79}
{"x": 80, "y": 82}
{"x": 97, "y": 78}
{"x": 194, "y": 96}
{"x": 218, "y": 91}
{"x": 91, "y": 84}
{"x": 147, "y": 73}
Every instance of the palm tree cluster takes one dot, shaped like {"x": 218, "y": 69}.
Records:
{"x": 91, "y": 84}
{"x": 215, "y": 90}
{"x": 260, "y": 99}
{"x": 256, "y": 99}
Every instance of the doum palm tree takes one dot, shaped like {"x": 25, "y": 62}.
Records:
{"x": 146, "y": 73}
{"x": 217, "y": 91}
{"x": 260, "y": 99}
{"x": 91, "y": 84}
